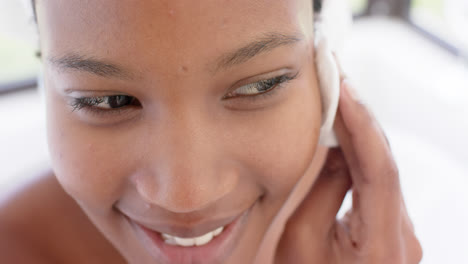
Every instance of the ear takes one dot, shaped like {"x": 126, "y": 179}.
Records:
{"x": 330, "y": 26}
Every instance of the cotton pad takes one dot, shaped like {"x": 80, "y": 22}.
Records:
{"x": 329, "y": 81}
{"x": 331, "y": 28}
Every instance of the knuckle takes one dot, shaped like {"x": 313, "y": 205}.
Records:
{"x": 383, "y": 252}
{"x": 391, "y": 173}
{"x": 386, "y": 256}
{"x": 389, "y": 255}
{"x": 379, "y": 251}
{"x": 419, "y": 254}
{"x": 416, "y": 250}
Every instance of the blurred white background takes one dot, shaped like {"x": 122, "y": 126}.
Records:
{"x": 413, "y": 73}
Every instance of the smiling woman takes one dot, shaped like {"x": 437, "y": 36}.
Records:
{"x": 188, "y": 132}
{"x": 182, "y": 146}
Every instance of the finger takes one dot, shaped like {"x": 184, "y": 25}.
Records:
{"x": 342, "y": 235}
{"x": 373, "y": 170}
{"x": 369, "y": 144}
{"x": 319, "y": 208}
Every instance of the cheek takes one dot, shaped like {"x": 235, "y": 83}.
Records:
{"x": 87, "y": 161}
{"x": 280, "y": 143}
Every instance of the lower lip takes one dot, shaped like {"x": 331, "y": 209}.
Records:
{"x": 216, "y": 251}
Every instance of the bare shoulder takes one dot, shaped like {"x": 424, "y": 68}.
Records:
{"x": 40, "y": 223}
{"x": 22, "y": 215}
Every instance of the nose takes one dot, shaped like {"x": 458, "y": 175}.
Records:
{"x": 186, "y": 168}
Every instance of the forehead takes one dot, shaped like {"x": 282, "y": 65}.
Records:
{"x": 165, "y": 30}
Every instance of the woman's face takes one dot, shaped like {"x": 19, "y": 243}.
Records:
{"x": 179, "y": 117}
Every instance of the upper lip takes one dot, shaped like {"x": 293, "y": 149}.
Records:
{"x": 185, "y": 230}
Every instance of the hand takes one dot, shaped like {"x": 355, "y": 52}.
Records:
{"x": 377, "y": 229}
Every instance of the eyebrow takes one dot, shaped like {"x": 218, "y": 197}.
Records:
{"x": 265, "y": 43}
{"x": 91, "y": 65}
{"x": 106, "y": 69}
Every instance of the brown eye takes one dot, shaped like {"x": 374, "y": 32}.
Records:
{"x": 118, "y": 101}
{"x": 105, "y": 102}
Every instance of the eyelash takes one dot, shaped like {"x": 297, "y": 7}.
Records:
{"x": 268, "y": 88}
{"x": 90, "y": 103}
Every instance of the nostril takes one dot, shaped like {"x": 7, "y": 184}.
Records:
{"x": 183, "y": 194}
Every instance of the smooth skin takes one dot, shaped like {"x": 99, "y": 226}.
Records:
{"x": 184, "y": 154}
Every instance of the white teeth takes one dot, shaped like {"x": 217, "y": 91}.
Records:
{"x": 169, "y": 239}
{"x": 185, "y": 242}
{"x": 218, "y": 231}
{"x": 190, "y": 242}
{"x": 202, "y": 240}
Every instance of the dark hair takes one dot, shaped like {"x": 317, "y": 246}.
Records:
{"x": 317, "y": 6}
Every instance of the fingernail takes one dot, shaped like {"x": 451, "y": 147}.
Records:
{"x": 349, "y": 89}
